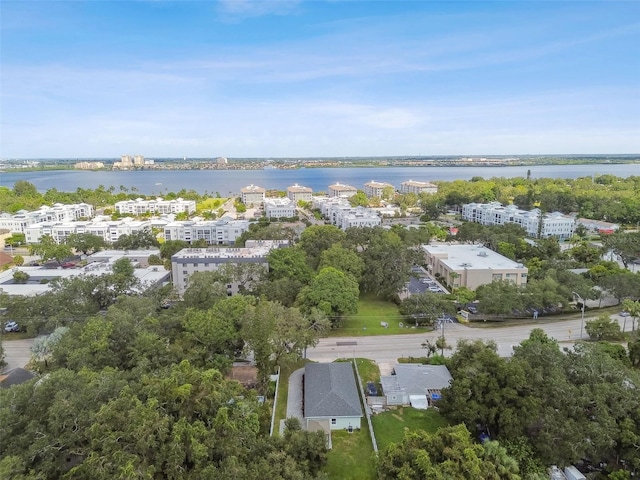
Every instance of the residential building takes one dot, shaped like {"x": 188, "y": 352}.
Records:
{"x": 109, "y": 230}
{"x": 156, "y": 206}
{"x": 18, "y": 222}
{"x": 340, "y": 213}
{"x": 221, "y": 161}
{"x": 553, "y": 224}
{"x": 376, "y": 189}
{"x": 471, "y": 266}
{"x": 279, "y": 207}
{"x": 299, "y": 193}
{"x": 252, "y": 195}
{"x": 597, "y": 226}
{"x": 89, "y": 165}
{"x": 413, "y": 186}
{"x": 341, "y": 190}
{"x": 415, "y": 384}
{"x": 331, "y": 396}
{"x": 224, "y": 231}
{"x": 191, "y": 260}
{"x": 98, "y": 264}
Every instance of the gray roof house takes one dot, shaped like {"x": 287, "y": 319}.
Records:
{"x": 331, "y": 396}
{"x": 415, "y": 384}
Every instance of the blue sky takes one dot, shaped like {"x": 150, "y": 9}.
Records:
{"x": 320, "y": 78}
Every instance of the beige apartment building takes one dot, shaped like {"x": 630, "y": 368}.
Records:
{"x": 341, "y": 190}
{"x": 376, "y": 189}
{"x": 252, "y": 195}
{"x": 413, "y": 186}
{"x": 471, "y": 266}
{"x": 297, "y": 193}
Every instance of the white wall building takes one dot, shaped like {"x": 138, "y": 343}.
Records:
{"x": 553, "y": 224}
{"x": 224, "y": 231}
{"x": 109, "y": 230}
{"x": 413, "y": 186}
{"x": 57, "y": 213}
{"x": 339, "y": 212}
{"x": 279, "y": 207}
{"x": 471, "y": 266}
{"x": 376, "y": 189}
{"x": 191, "y": 260}
{"x": 341, "y": 190}
{"x": 157, "y": 206}
{"x": 252, "y": 195}
{"x": 299, "y": 193}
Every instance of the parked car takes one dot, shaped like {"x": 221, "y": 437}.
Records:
{"x": 372, "y": 391}
{"x": 472, "y": 309}
{"x": 11, "y": 326}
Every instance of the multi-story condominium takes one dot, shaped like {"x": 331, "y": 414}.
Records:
{"x": 191, "y": 260}
{"x": 471, "y": 266}
{"x": 339, "y": 212}
{"x": 297, "y": 193}
{"x": 57, "y": 213}
{"x": 279, "y": 207}
{"x": 138, "y": 160}
{"x": 157, "y": 206}
{"x": 375, "y": 189}
{"x": 252, "y": 195}
{"x": 341, "y": 190}
{"x": 109, "y": 230}
{"x": 494, "y": 213}
{"x": 89, "y": 165}
{"x": 413, "y": 186}
{"x": 224, "y": 231}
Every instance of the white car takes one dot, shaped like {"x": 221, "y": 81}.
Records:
{"x": 11, "y": 326}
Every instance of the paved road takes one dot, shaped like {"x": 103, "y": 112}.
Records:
{"x": 388, "y": 348}
{"x": 17, "y": 353}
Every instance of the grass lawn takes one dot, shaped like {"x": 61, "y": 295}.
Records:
{"x": 369, "y": 371}
{"x": 210, "y": 204}
{"x": 351, "y": 456}
{"x": 372, "y": 311}
{"x": 283, "y": 390}
{"x": 391, "y": 426}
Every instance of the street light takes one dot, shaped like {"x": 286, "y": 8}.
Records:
{"x": 582, "y": 314}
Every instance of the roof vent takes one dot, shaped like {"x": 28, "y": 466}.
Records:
{"x": 482, "y": 253}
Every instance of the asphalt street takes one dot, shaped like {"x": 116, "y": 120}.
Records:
{"x": 388, "y": 348}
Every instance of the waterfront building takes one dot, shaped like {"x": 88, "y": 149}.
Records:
{"x": 341, "y": 190}
{"x": 279, "y": 207}
{"x": 158, "y": 206}
{"x": 221, "y": 161}
{"x": 224, "y": 231}
{"x": 19, "y": 222}
{"x": 252, "y": 195}
{"x": 339, "y": 212}
{"x": 494, "y": 213}
{"x": 471, "y": 266}
{"x": 299, "y": 193}
{"x": 376, "y": 189}
{"x": 109, "y": 230}
{"x": 191, "y": 260}
{"x": 413, "y": 186}
{"x": 89, "y": 165}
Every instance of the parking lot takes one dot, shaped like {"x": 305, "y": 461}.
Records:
{"x": 421, "y": 282}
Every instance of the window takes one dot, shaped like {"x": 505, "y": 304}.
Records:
{"x": 333, "y": 421}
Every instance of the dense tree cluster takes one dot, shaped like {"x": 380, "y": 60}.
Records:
{"x": 566, "y": 406}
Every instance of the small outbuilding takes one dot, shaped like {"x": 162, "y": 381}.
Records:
{"x": 415, "y": 384}
{"x": 331, "y": 396}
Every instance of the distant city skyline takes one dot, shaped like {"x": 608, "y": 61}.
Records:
{"x": 287, "y": 78}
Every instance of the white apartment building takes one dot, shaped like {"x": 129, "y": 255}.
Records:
{"x": 191, "y": 260}
{"x": 339, "y": 212}
{"x": 341, "y": 190}
{"x": 89, "y": 165}
{"x": 252, "y": 195}
{"x": 297, "y": 193}
{"x": 158, "y": 206}
{"x": 224, "y": 231}
{"x": 279, "y": 207}
{"x": 413, "y": 186}
{"x": 471, "y": 266}
{"x": 109, "y": 230}
{"x": 57, "y": 213}
{"x": 376, "y": 189}
{"x": 553, "y": 224}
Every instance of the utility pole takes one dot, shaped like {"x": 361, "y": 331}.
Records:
{"x": 582, "y": 313}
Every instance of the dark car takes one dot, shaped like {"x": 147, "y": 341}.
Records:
{"x": 372, "y": 391}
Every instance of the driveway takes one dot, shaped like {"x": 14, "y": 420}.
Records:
{"x": 294, "y": 397}
{"x": 17, "y": 353}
